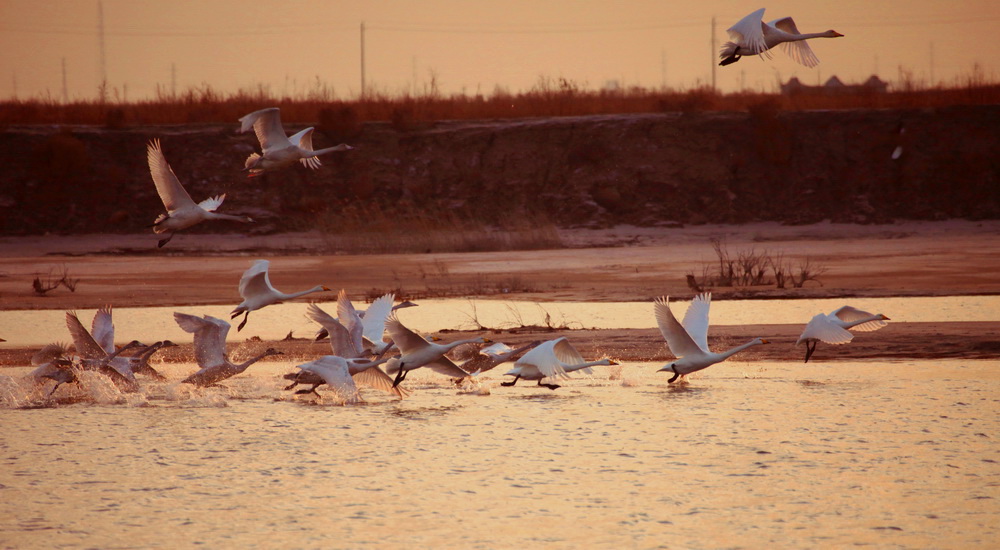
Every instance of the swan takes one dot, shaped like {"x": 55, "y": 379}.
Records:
{"x": 97, "y": 351}
{"x": 182, "y": 211}
{"x": 751, "y": 36}
{"x": 210, "y": 350}
{"x": 689, "y": 343}
{"x": 552, "y": 359}
{"x": 417, "y": 352}
{"x": 336, "y": 373}
{"x": 832, "y": 328}
{"x": 53, "y": 362}
{"x": 139, "y": 362}
{"x": 257, "y": 292}
{"x": 278, "y": 150}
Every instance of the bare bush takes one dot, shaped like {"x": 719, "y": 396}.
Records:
{"x": 751, "y": 268}
{"x": 53, "y": 281}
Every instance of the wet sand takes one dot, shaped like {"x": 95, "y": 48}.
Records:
{"x": 621, "y": 264}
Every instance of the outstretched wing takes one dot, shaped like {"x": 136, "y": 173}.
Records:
{"x": 798, "y": 50}
{"x": 209, "y": 338}
{"x": 696, "y": 320}
{"x": 303, "y": 140}
{"x": 351, "y": 320}
{"x": 405, "y": 339}
{"x": 749, "y": 33}
{"x": 103, "y": 329}
{"x": 335, "y": 372}
{"x": 266, "y": 123}
{"x": 340, "y": 340}
{"x": 850, "y": 314}
{"x": 678, "y": 339}
{"x": 210, "y": 204}
{"x": 255, "y": 281}
{"x": 171, "y": 192}
{"x": 374, "y": 319}
{"x": 85, "y": 344}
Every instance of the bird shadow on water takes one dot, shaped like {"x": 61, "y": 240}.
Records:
{"x": 684, "y": 390}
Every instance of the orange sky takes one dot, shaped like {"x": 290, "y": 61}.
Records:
{"x": 470, "y": 45}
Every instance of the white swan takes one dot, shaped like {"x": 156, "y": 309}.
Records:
{"x": 551, "y": 359}
{"x": 257, "y": 292}
{"x": 489, "y": 357}
{"x": 832, "y": 328}
{"x": 210, "y": 350}
{"x": 752, "y": 36}
{"x": 52, "y": 362}
{"x": 139, "y": 362}
{"x": 182, "y": 211}
{"x": 417, "y": 352}
{"x": 336, "y": 373}
{"x": 689, "y": 343}
{"x": 279, "y": 150}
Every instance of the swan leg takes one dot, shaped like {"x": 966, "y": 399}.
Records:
{"x": 245, "y": 317}
{"x": 674, "y": 377}
{"x": 292, "y": 385}
{"x": 549, "y": 386}
{"x": 164, "y": 241}
{"x": 729, "y": 60}
{"x": 809, "y": 350}
{"x": 512, "y": 382}
{"x": 399, "y": 376}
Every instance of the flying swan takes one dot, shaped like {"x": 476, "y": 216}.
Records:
{"x": 751, "y": 36}
{"x": 182, "y": 211}
{"x": 257, "y": 292}
{"x": 279, "y": 150}
{"x": 552, "y": 359}
{"x": 417, "y": 352}
{"x": 210, "y": 350}
{"x": 689, "y": 342}
{"x": 831, "y": 328}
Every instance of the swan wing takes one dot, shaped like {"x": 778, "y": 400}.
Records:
{"x": 696, "y": 320}
{"x": 266, "y": 123}
{"x": 303, "y": 139}
{"x": 405, "y": 339}
{"x": 212, "y": 203}
{"x": 103, "y": 329}
{"x": 749, "y": 32}
{"x": 209, "y": 338}
{"x": 340, "y": 339}
{"x": 678, "y": 340}
{"x": 374, "y": 377}
{"x": 849, "y": 314}
{"x": 351, "y": 320}
{"x": 171, "y": 192}
{"x": 374, "y": 319}
{"x": 545, "y": 358}
{"x": 255, "y": 281}
{"x": 447, "y": 367}
{"x": 823, "y": 329}
{"x": 86, "y": 346}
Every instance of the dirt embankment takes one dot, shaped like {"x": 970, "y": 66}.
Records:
{"x": 598, "y": 171}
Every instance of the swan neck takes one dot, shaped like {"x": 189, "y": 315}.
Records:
{"x": 738, "y": 349}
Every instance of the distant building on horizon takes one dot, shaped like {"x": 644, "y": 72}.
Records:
{"x": 834, "y": 86}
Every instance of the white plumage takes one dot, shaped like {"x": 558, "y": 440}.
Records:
{"x": 752, "y": 36}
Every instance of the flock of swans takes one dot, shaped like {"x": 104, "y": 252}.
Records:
{"x": 362, "y": 341}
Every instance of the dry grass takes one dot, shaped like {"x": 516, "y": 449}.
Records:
{"x": 549, "y": 97}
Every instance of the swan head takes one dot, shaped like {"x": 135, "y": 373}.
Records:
{"x": 167, "y": 344}
{"x": 343, "y": 147}
{"x": 832, "y": 34}
{"x": 272, "y": 351}
{"x": 762, "y": 341}
{"x": 883, "y": 317}
{"x": 612, "y": 362}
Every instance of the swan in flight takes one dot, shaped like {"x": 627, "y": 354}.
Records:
{"x": 752, "y": 36}
{"x": 417, "y": 352}
{"x": 279, "y": 150}
{"x": 336, "y": 373}
{"x": 182, "y": 211}
{"x": 257, "y": 292}
{"x": 689, "y": 342}
{"x": 53, "y": 362}
{"x": 552, "y": 359}
{"x": 139, "y": 363}
{"x": 832, "y": 328}
{"x": 210, "y": 350}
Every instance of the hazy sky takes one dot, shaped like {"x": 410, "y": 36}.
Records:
{"x": 469, "y": 45}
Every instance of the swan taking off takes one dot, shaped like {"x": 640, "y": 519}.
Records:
{"x": 257, "y": 292}
{"x": 751, "y": 36}
{"x": 832, "y": 328}
{"x": 336, "y": 372}
{"x": 552, "y": 359}
{"x": 182, "y": 211}
{"x": 417, "y": 352}
{"x": 689, "y": 342}
{"x": 277, "y": 149}
{"x": 210, "y": 350}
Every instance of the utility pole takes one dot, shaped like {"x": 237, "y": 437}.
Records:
{"x": 712, "y": 57}
{"x": 932, "y": 64}
{"x": 173, "y": 81}
{"x": 663, "y": 69}
{"x": 362, "y": 59}
{"x": 103, "y": 67}
{"x": 65, "y": 90}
